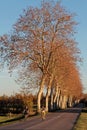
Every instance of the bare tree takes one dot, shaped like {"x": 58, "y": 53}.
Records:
{"x": 36, "y": 39}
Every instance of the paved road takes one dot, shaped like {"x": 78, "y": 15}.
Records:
{"x": 61, "y": 120}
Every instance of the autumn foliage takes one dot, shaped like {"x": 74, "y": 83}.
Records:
{"x": 42, "y": 43}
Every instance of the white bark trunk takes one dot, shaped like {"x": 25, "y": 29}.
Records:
{"x": 40, "y": 93}
{"x": 47, "y": 99}
{"x": 60, "y": 101}
{"x": 51, "y": 98}
{"x": 58, "y": 98}
{"x": 64, "y": 102}
{"x": 48, "y": 92}
{"x": 70, "y": 101}
{"x": 55, "y": 98}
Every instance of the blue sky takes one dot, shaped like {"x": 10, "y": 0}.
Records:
{"x": 9, "y": 13}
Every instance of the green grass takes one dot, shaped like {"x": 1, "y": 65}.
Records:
{"x": 82, "y": 121}
{"x": 14, "y": 117}
{"x": 3, "y": 118}
{"x": 6, "y": 119}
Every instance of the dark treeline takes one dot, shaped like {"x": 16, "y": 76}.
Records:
{"x": 84, "y": 100}
{"x": 16, "y": 104}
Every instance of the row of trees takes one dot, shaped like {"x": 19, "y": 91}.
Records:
{"x": 11, "y": 105}
{"x": 84, "y": 99}
{"x": 43, "y": 50}
{"x": 17, "y": 104}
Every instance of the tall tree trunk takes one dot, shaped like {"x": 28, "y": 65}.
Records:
{"x": 40, "y": 93}
{"x": 52, "y": 98}
{"x": 47, "y": 98}
{"x": 58, "y": 97}
{"x": 55, "y": 98}
{"x": 48, "y": 92}
{"x": 70, "y": 101}
{"x": 60, "y": 101}
{"x": 64, "y": 102}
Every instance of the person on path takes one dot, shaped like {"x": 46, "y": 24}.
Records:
{"x": 43, "y": 113}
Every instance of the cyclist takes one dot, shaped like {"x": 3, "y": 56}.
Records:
{"x": 43, "y": 113}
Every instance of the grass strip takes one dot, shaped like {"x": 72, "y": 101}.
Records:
{"x": 81, "y": 123}
{"x": 6, "y": 119}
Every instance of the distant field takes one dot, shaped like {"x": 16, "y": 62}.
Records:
{"x": 82, "y": 121}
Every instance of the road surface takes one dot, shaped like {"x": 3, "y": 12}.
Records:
{"x": 61, "y": 120}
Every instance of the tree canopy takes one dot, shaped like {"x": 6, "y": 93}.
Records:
{"x": 42, "y": 42}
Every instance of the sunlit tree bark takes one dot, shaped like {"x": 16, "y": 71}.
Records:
{"x": 41, "y": 37}
{"x": 55, "y": 98}
{"x": 40, "y": 93}
{"x": 48, "y": 92}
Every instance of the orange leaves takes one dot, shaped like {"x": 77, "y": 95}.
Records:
{"x": 67, "y": 18}
{"x": 25, "y": 27}
{"x": 43, "y": 41}
{"x": 64, "y": 18}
